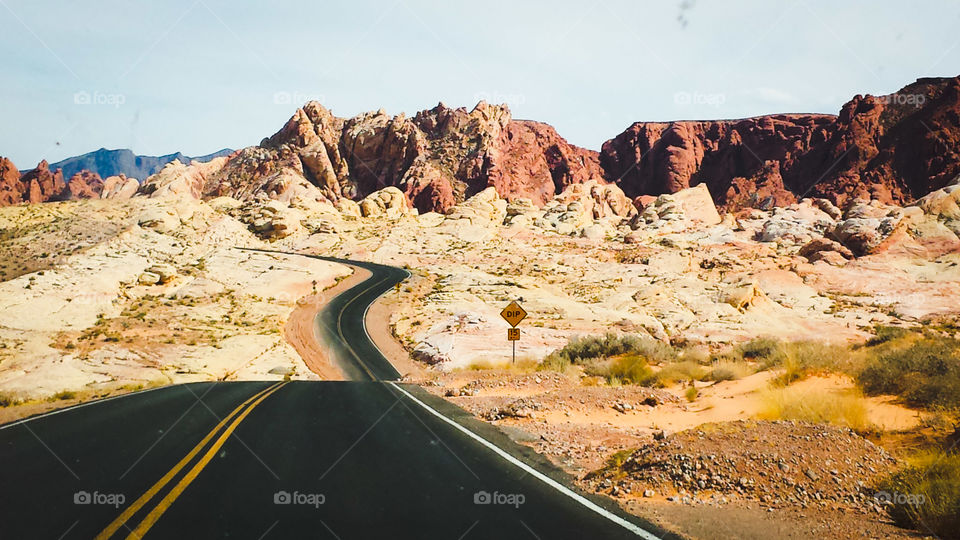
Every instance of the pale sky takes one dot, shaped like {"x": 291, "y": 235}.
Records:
{"x": 199, "y": 75}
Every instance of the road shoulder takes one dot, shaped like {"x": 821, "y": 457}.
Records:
{"x": 300, "y": 328}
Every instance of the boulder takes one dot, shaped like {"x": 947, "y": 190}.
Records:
{"x": 943, "y": 205}
{"x": 164, "y": 272}
{"x": 687, "y": 208}
{"x": 743, "y": 296}
{"x": 697, "y": 206}
{"x": 348, "y": 208}
{"x": 819, "y": 248}
{"x": 483, "y": 208}
{"x": 865, "y": 227}
{"x": 389, "y": 202}
{"x": 520, "y": 206}
{"x": 159, "y": 218}
{"x": 119, "y": 187}
{"x": 594, "y": 232}
{"x": 148, "y": 278}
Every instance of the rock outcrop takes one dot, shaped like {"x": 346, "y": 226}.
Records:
{"x": 389, "y": 202}
{"x": 85, "y": 185}
{"x": 680, "y": 210}
{"x": 178, "y": 179}
{"x": 437, "y": 158}
{"x": 11, "y": 191}
{"x": 893, "y": 149}
{"x": 746, "y": 162}
{"x": 42, "y": 185}
{"x": 865, "y": 227}
{"x": 944, "y": 205}
{"x": 119, "y": 187}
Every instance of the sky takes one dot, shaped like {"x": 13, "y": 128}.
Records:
{"x": 200, "y": 75}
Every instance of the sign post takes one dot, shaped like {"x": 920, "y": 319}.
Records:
{"x": 513, "y": 314}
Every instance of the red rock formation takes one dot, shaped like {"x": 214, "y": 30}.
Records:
{"x": 85, "y": 185}
{"x": 743, "y": 162}
{"x": 531, "y": 160}
{"x": 438, "y": 158}
{"x": 10, "y": 188}
{"x": 893, "y": 148}
{"x": 42, "y": 185}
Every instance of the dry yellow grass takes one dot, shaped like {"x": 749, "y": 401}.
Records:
{"x": 848, "y": 409}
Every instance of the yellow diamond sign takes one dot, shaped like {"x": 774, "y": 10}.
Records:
{"x": 513, "y": 314}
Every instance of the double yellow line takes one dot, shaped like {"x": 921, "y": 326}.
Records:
{"x": 233, "y": 419}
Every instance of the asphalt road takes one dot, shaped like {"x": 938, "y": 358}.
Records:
{"x": 361, "y": 459}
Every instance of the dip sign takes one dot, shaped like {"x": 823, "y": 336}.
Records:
{"x": 513, "y": 314}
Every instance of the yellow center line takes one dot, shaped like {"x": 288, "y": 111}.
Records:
{"x": 165, "y": 503}
{"x": 150, "y": 493}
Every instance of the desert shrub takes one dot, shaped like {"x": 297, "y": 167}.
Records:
{"x": 691, "y": 394}
{"x": 63, "y": 394}
{"x": 932, "y": 486}
{"x": 625, "y": 369}
{"x": 884, "y": 334}
{"x": 699, "y": 355}
{"x": 729, "y": 371}
{"x": 825, "y": 407}
{"x": 680, "y": 372}
{"x": 554, "y": 362}
{"x": 579, "y": 350}
{"x": 924, "y": 374}
{"x": 6, "y": 400}
{"x": 763, "y": 349}
{"x": 632, "y": 256}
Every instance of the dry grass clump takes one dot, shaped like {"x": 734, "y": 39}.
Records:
{"x": 925, "y": 495}
{"x": 524, "y": 364}
{"x": 846, "y": 409}
{"x": 726, "y": 370}
{"x": 684, "y": 371}
{"x": 7, "y": 400}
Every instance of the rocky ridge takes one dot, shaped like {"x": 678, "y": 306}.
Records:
{"x": 894, "y": 148}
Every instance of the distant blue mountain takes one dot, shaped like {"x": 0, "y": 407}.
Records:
{"x": 113, "y": 162}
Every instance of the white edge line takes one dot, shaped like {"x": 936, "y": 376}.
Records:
{"x": 546, "y": 479}
{"x": 80, "y": 406}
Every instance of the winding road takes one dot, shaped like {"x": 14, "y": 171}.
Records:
{"x": 365, "y": 458}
